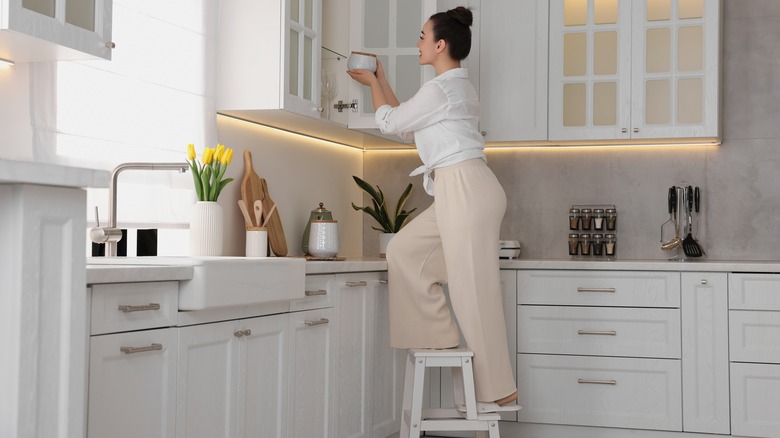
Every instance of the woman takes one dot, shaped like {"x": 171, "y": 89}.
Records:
{"x": 455, "y": 240}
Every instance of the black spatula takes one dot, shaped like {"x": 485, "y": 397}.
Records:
{"x": 690, "y": 245}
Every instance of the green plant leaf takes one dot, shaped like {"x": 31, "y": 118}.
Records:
{"x": 378, "y": 210}
{"x": 402, "y": 200}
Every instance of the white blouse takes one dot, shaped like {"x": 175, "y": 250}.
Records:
{"x": 442, "y": 119}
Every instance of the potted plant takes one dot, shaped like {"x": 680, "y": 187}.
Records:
{"x": 388, "y": 224}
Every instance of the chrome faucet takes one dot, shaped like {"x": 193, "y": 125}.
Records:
{"x": 110, "y": 235}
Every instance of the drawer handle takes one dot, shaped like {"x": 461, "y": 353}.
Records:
{"x": 382, "y": 281}
{"x": 597, "y": 382}
{"x": 317, "y": 322}
{"x": 357, "y": 283}
{"x": 610, "y": 290}
{"x": 240, "y": 333}
{"x": 312, "y": 293}
{"x": 597, "y": 332}
{"x": 127, "y": 309}
{"x": 133, "y": 350}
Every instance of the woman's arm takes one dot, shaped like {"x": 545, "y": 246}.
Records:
{"x": 381, "y": 93}
{"x": 389, "y": 94}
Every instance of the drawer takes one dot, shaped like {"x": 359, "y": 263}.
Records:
{"x": 755, "y": 400}
{"x": 754, "y": 291}
{"x": 599, "y": 288}
{"x": 124, "y": 307}
{"x": 599, "y": 331}
{"x": 754, "y": 336}
{"x": 320, "y": 293}
{"x": 600, "y": 391}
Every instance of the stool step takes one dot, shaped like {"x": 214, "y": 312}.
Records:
{"x": 446, "y": 352}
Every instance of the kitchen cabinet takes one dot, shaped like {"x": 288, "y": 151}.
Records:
{"x": 513, "y": 53}
{"x": 49, "y": 30}
{"x": 754, "y": 352}
{"x": 634, "y": 70}
{"x": 599, "y": 337}
{"x": 370, "y": 383}
{"x": 233, "y": 378}
{"x": 132, "y": 360}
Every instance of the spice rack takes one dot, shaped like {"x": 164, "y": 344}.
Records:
{"x": 593, "y": 230}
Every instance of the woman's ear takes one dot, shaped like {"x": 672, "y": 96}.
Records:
{"x": 440, "y": 46}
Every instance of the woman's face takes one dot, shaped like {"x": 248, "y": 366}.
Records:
{"x": 429, "y": 48}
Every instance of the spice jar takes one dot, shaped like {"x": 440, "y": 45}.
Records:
{"x": 587, "y": 216}
{"x": 598, "y": 244}
{"x": 598, "y": 218}
{"x": 574, "y": 243}
{"x": 585, "y": 244}
{"x": 611, "y": 219}
{"x": 609, "y": 245}
{"x": 574, "y": 218}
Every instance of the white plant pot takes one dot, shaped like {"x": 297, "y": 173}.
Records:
{"x": 206, "y": 229}
{"x": 384, "y": 239}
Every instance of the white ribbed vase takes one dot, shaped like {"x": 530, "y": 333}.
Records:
{"x": 384, "y": 239}
{"x": 206, "y": 228}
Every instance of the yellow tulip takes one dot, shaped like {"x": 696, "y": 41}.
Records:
{"x": 190, "y": 151}
{"x": 220, "y": 151}
{"x": 208, "y": 155}
{"x": 227, "y": 157}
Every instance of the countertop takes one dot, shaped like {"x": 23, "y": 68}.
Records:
{"x": 29, "y": 172}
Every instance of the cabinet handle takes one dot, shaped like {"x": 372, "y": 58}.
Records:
{"x": 597, "y": 382}
{"x": 597, "y": 332}
{"x": 703, "y": 281}
{"x": 382, "y": 281}
{"x": 240, "y": 333}
{"x": 127, "y": 309}
{"x": 357, "y": 283}
{"x": 311, "y": 293}
{"x": 636, "y": 130}
{"x": 624, "y": 130}
{"x": 317, "y": 322}
{"x": 596, "y": 289}
{"x": 132, "y": 350}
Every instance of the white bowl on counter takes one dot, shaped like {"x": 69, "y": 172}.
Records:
{"x": 509, "y": 249}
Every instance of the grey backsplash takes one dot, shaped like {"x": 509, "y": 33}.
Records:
{"x": 739, "y": 180}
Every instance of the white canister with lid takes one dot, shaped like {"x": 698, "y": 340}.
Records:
{"x": 324, "y": 238}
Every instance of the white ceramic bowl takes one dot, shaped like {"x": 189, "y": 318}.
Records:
{"x": 362, "y": 61}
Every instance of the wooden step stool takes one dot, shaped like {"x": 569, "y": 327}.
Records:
{"x": 415, "y": 419}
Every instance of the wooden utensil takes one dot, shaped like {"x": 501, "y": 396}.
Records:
{"x": 245, "y": 212}
{"x": 259, "y": 213}
{"x": 251, "y": 189}
{"x": 275, "y": 230}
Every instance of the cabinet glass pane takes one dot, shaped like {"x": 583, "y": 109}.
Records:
{"x": 605, "y": 104}
{"x": 45, "y": 7}
{"x": 605, "y": 53}
{"x": 659, "y": 10}
{"x": 307, "y": 14}
{"x": 658, "y": 53}
{"x": 407, "y": 25}
{"x": 408, "y": 74}
{"x": 575, "y": 12}
{"x": 307, "y": 67}
{"x": 690, "y": 100}
{"x": 574, "y": 105}
{"x": 605, "y": 11}
{"x": 376, "y": 26}
{"x": 690, "y": 48}
{"x": 574, "y": 54}
{"x": 81, "y": 13}
{"x": 690, "y": 9}
{"x": 295, "y": 11}
{"x": 293, "y": 72}
{"x": 657, "y": 103}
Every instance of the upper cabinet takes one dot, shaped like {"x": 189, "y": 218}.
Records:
{"x": 269, "y": 56}
{"x": 47, "y": 30}
{"x": 638, "y": 70}
{"x": 513, "y": 70}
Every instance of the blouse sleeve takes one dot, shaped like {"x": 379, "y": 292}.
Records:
{"x": 427, "y": 107}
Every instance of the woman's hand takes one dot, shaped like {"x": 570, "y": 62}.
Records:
{"x": 365, "y": 77}
{"x": 380, "y": 71}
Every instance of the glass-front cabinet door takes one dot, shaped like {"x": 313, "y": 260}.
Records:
{"x": 81, "y": 25}
{"x": 301, "y": 91}
{"x": 389, "y": 29}
{"x": 638, "y": 69}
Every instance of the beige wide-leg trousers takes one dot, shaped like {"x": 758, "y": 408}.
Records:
{"x": 454, "y": 241}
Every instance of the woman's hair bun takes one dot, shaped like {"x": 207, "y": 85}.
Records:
{"x": 462, "y": 15}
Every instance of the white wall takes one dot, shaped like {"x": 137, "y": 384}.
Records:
{"x": 16, "y": 137}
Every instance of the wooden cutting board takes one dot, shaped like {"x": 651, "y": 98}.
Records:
{"x": 254, "y": 188}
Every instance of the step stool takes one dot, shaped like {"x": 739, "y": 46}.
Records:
{"x": 415, "y": 419}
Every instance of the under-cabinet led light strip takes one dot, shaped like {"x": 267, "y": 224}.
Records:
{"x": 6, "y": 62}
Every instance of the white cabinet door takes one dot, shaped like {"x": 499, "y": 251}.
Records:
{"x": 132, "y": 384}
{"x": 705, "y": 352}
{"x": 390, "y": 29}
{"x": 49, "y": 30}
{"x": 755, "y": 399}
{"x": 312, "y": 374}
{"x": 513, "y": 70}
{"x": 263, "y": 369}
{"x": 207, "y": 380}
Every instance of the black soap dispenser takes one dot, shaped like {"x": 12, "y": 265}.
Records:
{"x": 318, "y": 214}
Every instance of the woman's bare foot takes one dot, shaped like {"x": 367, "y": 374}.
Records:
{"x": 508, "y": 399}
